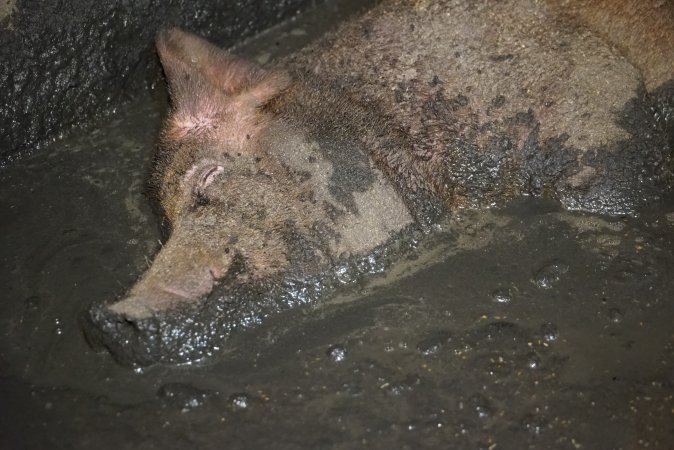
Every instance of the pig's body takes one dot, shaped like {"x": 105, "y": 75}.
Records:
{"x": 499, "y": 99}
{"x": 271, "y": 179}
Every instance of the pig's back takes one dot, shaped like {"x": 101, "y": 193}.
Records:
{"x": 499, "y": 99}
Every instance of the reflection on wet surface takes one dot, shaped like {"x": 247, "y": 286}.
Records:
{"x": 526, "y": 327}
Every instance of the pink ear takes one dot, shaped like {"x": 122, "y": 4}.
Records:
{"x": 205, "y": 81}
{"x": 188, "y": 59}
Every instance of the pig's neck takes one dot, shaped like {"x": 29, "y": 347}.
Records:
{"x": 349, "y": 132}
{"x": 352, "y": 205}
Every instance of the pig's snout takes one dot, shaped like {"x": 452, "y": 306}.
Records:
{"x": 156, "y": 315}
{"x": 158, "y": 292}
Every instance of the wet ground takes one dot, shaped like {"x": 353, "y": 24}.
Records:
{"x": 523, "y": 327}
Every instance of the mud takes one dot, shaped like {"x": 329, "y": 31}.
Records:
{"x": 520, "y": 327}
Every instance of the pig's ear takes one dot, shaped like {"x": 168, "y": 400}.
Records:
{"x": 196, "y": 68}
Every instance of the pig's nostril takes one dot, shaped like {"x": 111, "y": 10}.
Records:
{"x": 216, "y": 273}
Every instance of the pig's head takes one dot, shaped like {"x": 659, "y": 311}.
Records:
{"x": 226, "y": 201}
{"x": 262, "y": 177}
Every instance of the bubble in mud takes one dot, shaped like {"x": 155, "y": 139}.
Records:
{"x": 58, "y": 326}
{"x": 481, "y": 405}
{"x": 402, "y": 387}
{"x": 533, "y": 361}
{"x": 239, "y": 401}
{"x": 502, "y": 295}
{"x": 498, "y": 331}
{"x": 534, "y": 423}
{"x": 429, "y": 346}
{"x": 549, "y": 275}
{"x": 432, "y": 344}
{"x": 183, "y": 396}
{"x": 549, "y": 332}
{"x": 615, "y": 315}
{"x": 337, "y": 353}
{"x": 500, "y": 367}
{"x": 344, "y": 274}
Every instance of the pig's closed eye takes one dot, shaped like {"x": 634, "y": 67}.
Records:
{"x": 207, "y": 176}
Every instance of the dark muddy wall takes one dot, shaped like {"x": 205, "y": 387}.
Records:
{"x": 62, "y": 63}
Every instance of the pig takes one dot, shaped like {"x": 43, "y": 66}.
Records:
{"x": 281, "y": 183}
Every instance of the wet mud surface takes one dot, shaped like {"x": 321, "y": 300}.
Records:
{"x": 522, "y": 327}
